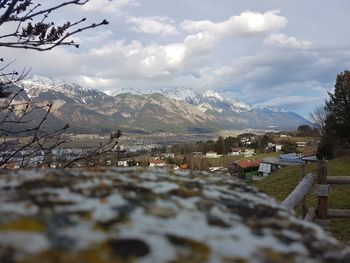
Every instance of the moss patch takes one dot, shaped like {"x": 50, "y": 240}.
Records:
{"x": 24, "y": 224}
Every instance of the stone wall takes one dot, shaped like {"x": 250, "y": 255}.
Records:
{"x": 150, "y": 215}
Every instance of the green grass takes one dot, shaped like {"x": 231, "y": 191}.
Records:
{"x": 283, "y": 181}
{"x": 262, "y": 156}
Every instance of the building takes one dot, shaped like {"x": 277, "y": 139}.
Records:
{"x": 301, "y": 144}
{"x": 235, "y": 151}
{"x": 197, "y": 154}
{"x": 217, "y": 169}
{"x": 273, "y": 147}
{"x": 157, "y": 163}
{"x": 123, "y": 163}
{"x": 168, "y": 155}
{"x": 212, "y": 154}
{"x": 248, "y": 152}
{"x": 11, "y": 166}
{"x": 244, "y": 169}
{"x": 185, "y": 166}
{"x": 270, "y": 164}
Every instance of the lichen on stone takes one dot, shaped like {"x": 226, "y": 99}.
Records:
{"x": 150, "y": 215}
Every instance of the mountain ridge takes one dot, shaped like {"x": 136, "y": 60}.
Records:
{"x": 168, "y": 109}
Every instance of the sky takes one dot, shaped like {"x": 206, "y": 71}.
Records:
{"x": 263, "y": 52}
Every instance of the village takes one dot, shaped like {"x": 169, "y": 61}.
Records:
{"x": 246, "y": 160}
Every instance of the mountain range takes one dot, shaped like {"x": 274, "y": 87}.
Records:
{"x": 176, "y": 109}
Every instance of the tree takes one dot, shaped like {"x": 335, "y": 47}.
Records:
{"x": 306, "y": 130}
{"x": 28, "y": 26}
{"x": 318, "y": 117}
{"x": 289, "y": 147}
{"x": 337, "y": 108}
{"x": 325, "y": 149}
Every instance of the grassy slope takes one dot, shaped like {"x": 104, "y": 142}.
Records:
{"x": 282, "y": 182}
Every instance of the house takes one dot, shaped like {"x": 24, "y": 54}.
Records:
{"x": 197, "y": 154}
{"x": 270, "y": 164}
{"x": 310, "y": 159}
{"x": 168, "y": 155}
{"x": 278, "y": 147}
{"x": 235, "y": 151}
{"x": 11, "y": 166}
{"x": 157, "y": 163}
{"x": 217, "y": 169}
{"x": 244, "y": 169}
{"x": 301, "y": 144}
{"x": 248, "y": 152}
{"x": 123, "y": 163}
{"x": 212, "y": 154}
{"x": 185, "y": 166}
{"x": 274, "y": 147}
{"x": 291, "y": 158}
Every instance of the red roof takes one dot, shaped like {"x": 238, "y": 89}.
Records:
{"x": 185, "y": 166}
{"x": 157, "y": 161}
{"x": 248, "y": 164}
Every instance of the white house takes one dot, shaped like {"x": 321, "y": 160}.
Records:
{"x": 123, "y": 163}
{"x": 301, "y": 144}
{"x": 212, "y": 154}
{"x": 157, "y": 163}
{"x": 249, "y": 152}
{"x": 235, "y": 151}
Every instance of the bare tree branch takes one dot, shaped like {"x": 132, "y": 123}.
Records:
{"x": 19, "y": 115}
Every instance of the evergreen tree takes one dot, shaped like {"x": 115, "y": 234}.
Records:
{"x": 289, "y": 147}
{"x": 338, "y": 110}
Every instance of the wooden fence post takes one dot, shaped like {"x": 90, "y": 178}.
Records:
{"x": 322, "y": 190}
{"x": 304, "y": 208}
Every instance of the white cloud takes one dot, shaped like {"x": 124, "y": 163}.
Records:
{"x": 156, "y": 25}
{"x": 248, "y": 23}
{"x": 97, "y": 37}
{"x": 94, "y": 81}
{"x": 290, "y": 100}
{"x": 285, "y": 41}
{"x": 107, "y": 5}
{"x": 134, "y": 60}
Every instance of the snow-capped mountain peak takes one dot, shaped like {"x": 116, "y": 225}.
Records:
{"x": 38, "y": 83}
{"x": 174, "y": 108}
{"x": 35, "y": 86}
{"x": 213, "y": 94}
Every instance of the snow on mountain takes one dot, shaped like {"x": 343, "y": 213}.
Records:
{"x": 37, "y": 85}
{"x": 213, "y": 94}
{"x": 205, "y": 101}
{"x": 173, "y": 109}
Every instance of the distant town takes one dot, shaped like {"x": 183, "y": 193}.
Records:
{"x": 248, "y": 155}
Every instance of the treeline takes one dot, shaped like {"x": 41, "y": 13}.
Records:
{"x": 223, "y": 145}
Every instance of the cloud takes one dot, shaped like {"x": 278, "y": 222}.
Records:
{"x": 107, "y": 5}
{"x": 246, "y": 24}
{"x": 285, "y": 41}
{"x": 97, "y": 37}
{"x": 155, "y": 25}
{"x": 245, "y": 54}
{"x": 291, "y": 101}
{"x": 134, "y": 60}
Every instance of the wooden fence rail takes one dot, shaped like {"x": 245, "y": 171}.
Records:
{"x": 338, "y": 180}
{"x": 300, "y": 192}
{"x": 298, "y": 195}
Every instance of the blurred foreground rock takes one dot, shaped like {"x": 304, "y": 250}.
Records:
{"x": 137, "y": 215}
